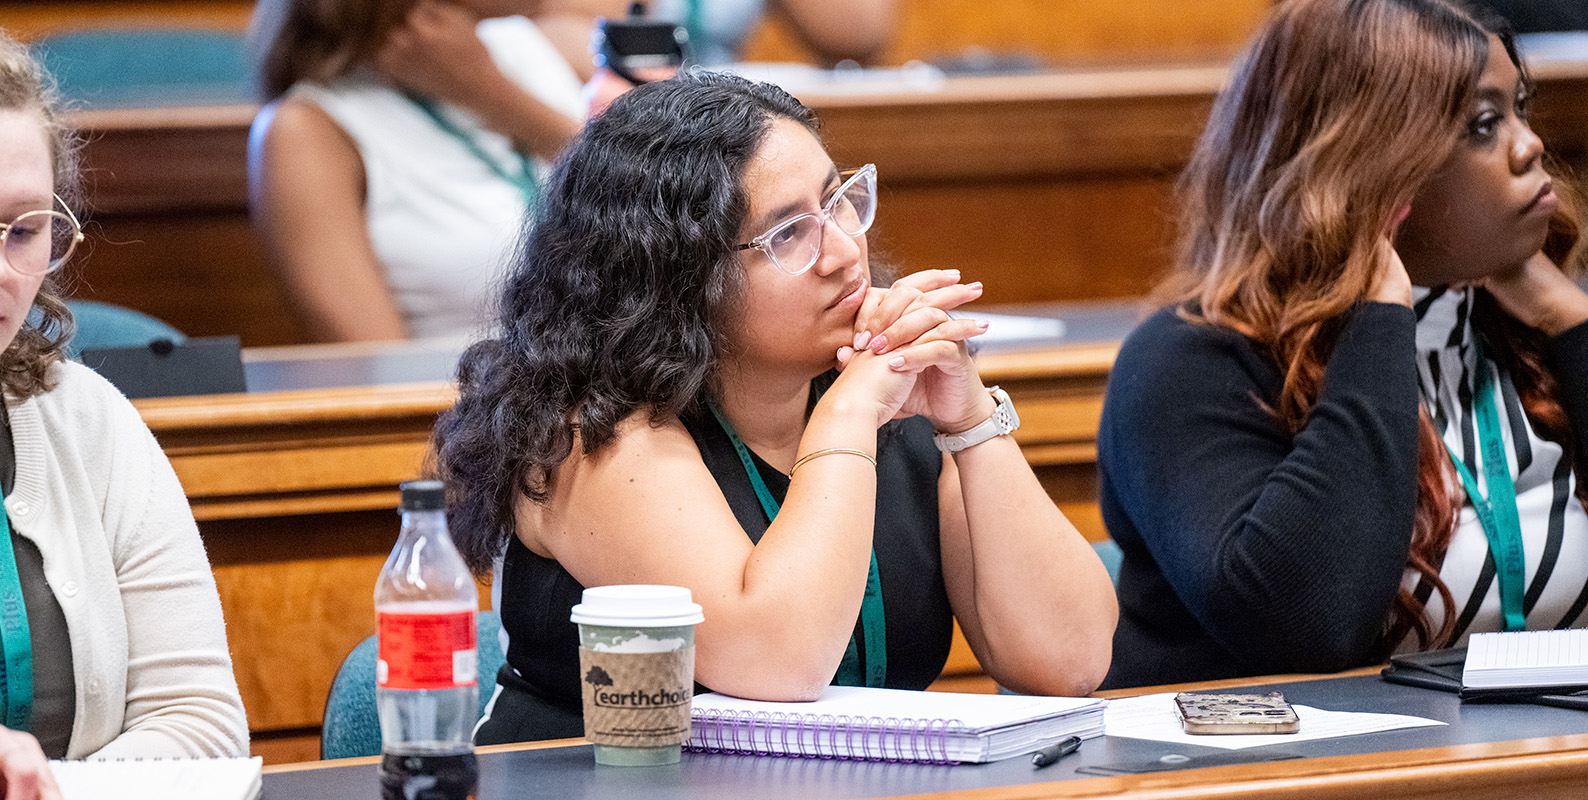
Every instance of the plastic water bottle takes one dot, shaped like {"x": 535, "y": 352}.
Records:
{"x": 425, "y": 686}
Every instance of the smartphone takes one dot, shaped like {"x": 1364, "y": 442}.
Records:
{"x": 638, "y": 48}
{"x": 1219, "y": 714}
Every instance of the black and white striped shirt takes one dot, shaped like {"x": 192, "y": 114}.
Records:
{"x": 1554, "y": 523}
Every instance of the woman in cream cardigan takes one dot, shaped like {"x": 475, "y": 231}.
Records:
{"x": 117, "y": 648}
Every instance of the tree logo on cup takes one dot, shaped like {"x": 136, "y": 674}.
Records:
{"x": 598, "y": 677}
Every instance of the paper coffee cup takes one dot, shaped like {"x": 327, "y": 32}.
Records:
{"x": 637, "y": 671}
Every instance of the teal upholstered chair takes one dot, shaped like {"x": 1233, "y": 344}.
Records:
{"x": 106, "y": 325}
{"x": 352, "y": 728}
{"x": 133, "y": 67}
{"x": 1111, "y": 556}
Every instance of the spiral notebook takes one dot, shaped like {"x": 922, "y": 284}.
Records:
{"x": 166, "y": 779}
{"x": 892, "y": 725}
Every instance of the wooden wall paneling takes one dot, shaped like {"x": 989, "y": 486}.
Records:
{"x": 200, "y": 271}
{"x": 30, "y": 20}
{"x": 1060, "y": 31}
{"x": 167, "y": 218}
{"x": 1032, "y": 240}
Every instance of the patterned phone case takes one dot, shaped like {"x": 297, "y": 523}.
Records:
{"x": 1236, "y": 713}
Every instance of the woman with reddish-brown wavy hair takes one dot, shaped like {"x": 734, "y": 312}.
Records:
{"x": 1359, "y": 425}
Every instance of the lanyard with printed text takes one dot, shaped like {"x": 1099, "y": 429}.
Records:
{"x": 872, "y": 622}
{"x": 1497, "y": 511}
{"x": 14, "y": 636}
{"x": 525, "y": 179}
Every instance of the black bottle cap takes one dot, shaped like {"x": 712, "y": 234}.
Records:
{"x": 423, "y": 496}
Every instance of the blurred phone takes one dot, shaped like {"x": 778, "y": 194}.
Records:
{"x": 1222, "y": 714}
{"x": 640, "y": 49}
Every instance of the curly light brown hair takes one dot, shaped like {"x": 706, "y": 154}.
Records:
{"x": 25, "y": 86}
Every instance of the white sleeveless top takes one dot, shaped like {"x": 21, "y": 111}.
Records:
{"x": 1554, "y": 523}
{"x": 442, "y": 222}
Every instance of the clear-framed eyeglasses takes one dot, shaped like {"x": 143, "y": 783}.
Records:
{"x": 795, "y": 244}
{"x": 39, "y": 242}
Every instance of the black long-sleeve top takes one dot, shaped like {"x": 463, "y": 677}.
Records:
{"x": 1249, "y": 550}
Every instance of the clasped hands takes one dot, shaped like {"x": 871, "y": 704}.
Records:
{"x": 917, "y": 352}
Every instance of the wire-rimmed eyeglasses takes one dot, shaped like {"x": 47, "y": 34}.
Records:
{"x": 39, "y": 242}
{"x": 795, "y": 244}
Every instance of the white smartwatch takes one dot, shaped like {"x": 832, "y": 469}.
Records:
{"x": 1003, "y": 421}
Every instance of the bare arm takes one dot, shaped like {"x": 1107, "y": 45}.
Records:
{"x": 779, "y": 613}
{"x": 1034, "y": 601}
{"x": 568, "y": 23}
{"x": 306, "y": 191}
{"x": 858, "y": 29}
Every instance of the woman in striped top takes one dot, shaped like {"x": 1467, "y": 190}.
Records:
{"x": 1359, "y": 427}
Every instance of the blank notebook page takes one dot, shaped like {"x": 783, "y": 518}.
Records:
{"x": 166, "y": 779}
{"x": 1520, "y": 659}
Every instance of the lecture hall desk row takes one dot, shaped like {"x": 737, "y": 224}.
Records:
{"x": 1046, "y": 187}
{"x": 1483, "y": 752}
{"x": 294, "y": 486}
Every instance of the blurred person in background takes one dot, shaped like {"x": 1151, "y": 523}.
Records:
{"x": 117, "y": 648}
{"x": 398, "y": 151}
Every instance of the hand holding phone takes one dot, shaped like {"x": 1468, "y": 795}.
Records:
{"x": 1224, "y": 714}
{"x": 639, "y": 49}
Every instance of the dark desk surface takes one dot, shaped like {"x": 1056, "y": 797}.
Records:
{"x": 303, "y": 367}
{"x": 569, "y": 772}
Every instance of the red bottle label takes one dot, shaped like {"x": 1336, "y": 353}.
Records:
{"x": 426, "y": 650}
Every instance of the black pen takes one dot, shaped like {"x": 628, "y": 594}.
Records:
{"x": 1054, "y": 752}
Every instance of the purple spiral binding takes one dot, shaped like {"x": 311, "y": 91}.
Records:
{"x": 824, "y": 736}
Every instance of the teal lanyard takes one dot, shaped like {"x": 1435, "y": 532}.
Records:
{"x": 14, "y": 637}
{"x": 695, "y": 23}
{"x": 872, "y": 621}
{"x": 525, "y": 179}
{"x": 1496, "y": 512}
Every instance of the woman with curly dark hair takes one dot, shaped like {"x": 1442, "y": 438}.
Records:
{"x": 699, "y": 385}
{"x": 1309, "y": 463}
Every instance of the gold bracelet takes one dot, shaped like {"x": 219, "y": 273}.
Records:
{"x": 832, "y": 451}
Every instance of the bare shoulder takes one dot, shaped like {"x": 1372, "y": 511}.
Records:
{"x": 299, "y": 140}
{"x": 628, "y": 511}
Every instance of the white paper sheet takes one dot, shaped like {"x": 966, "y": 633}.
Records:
{"x": 1153, "y": 717}
{"x": 1011, "y": 328}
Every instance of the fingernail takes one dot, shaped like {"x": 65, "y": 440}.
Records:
{"x": 975, "y": 286}
{"x": 861, "y": 339}
{"x": 879, "y": 344}
{"x": 844, "y": 353}
{"x": 983, "y": 326}
{"x": 954, "y": 273}
{"x": 896, "y": 362}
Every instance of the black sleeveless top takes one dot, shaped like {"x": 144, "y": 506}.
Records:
{"x": 538, "y": 692}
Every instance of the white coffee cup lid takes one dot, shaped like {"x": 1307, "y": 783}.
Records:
{"x": 637, "y": 606}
